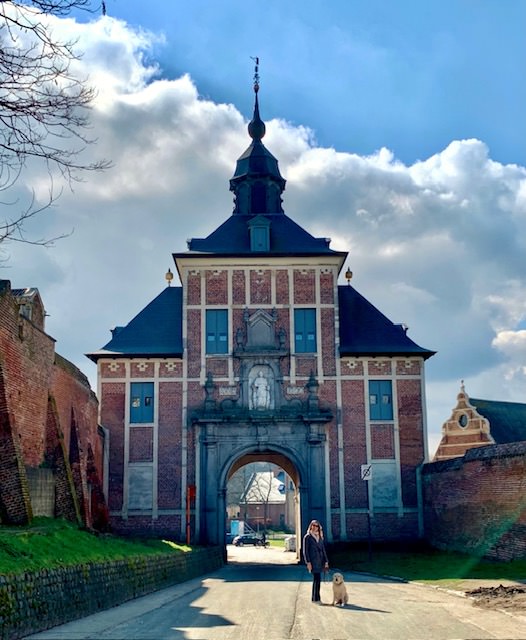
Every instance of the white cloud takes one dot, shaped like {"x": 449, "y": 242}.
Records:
{"x": 438, "y": 245}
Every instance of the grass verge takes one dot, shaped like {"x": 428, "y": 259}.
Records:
{"x": 49, "y": 543}
{"x": 441, "y": 568}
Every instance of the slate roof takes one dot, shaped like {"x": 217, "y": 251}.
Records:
{"x": 29, "y": 293}
{"x": 257, "y": 160}
{"x": 287, "y": 238}
{"x": 365, "y": 331}
{"x": 507, "y": 420}
{"x": 155, "y": 331}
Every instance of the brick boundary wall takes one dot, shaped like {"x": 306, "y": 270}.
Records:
{"x": 36, "y": 601}
{"x": 476, "y": 504}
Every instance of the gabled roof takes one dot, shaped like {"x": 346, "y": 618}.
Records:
{"x": 156, "y": 331}
{"x": 287, "y": 238}
{"x": 263, "y": 486}
{"x": 507, "y": 420}
{"x": 28, "y": 294}
{"x": 366, "y": 331}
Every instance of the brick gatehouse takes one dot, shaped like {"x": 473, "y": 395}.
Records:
{"x": 260, "y": 354}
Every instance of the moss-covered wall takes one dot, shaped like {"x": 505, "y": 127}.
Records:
{"x": 36, "y": 601}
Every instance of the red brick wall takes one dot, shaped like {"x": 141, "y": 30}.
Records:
{"x": 77, "y": 410}
{"x": 411, "y": 436}
{"x": 238, "y": 287}
{"x": 170, "y": 444}
{"x": 141, "y": 444}
{"x": 328, "y": 344}
{"x": 382, "y": 441}
{"x": 112, "y": 417}
{"x": 216, "y": 287}
{"x": 260, "y": 286}
{"x": 193, "y": 288}
{"x": 327, "y": 288}
{"x": 282, "y": 286}
{"x": 194, "y": 342}
{"x": 43, "y": 396}
{"x": 477, "y": 504}
{"x": 27, "y": 363}
{"x": 304, "y": 286}
{"x": 354, "y": 452}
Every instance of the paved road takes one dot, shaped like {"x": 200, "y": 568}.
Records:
{"x": 263, "y": 594}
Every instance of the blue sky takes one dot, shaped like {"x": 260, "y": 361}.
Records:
{"x": 399, "y": 127}
{"x": 363, "y": 74}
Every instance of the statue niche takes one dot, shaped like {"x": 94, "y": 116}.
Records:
{"x": 260, "y": 347}
{"x": 261, "y": 388}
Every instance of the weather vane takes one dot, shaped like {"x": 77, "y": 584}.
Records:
{"x": 256, "y": 74}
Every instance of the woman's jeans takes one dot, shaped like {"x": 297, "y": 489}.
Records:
{"x": 316, "y": 582}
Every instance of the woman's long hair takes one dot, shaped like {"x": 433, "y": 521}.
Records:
{"x": 315, "y": 523}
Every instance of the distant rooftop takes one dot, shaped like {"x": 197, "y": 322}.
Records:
{"x": 507, "y": 420}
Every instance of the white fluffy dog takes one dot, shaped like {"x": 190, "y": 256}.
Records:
{"x": 339, "y": 591}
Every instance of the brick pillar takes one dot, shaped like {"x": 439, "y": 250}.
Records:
{"x": 15, "y": 503}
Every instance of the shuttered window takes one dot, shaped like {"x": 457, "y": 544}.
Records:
{"x": 305, "y": 330}
{"x": 216, "y": 331}
{"x": 141, "y": 402}
{"x": 380, "y": 400}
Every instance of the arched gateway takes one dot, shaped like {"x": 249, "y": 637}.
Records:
{"x": 261, "y": 355}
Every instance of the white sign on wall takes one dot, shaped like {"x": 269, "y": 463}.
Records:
{"x": 367, "y": 471}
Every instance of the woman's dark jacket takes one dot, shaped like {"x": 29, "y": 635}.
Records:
{"x": 314, "y": 552}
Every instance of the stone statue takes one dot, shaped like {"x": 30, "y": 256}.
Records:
{"x": 260, "y": 392}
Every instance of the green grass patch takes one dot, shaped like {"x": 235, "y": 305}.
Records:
{"x": 276, "y": 542}
{"x": 430, "y": 566}
{"x": 49, "y": 543}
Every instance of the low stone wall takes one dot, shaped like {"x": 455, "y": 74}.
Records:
{"x": 39, "y": 600}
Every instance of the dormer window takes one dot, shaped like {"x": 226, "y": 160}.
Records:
{"x": 259, "y": 230}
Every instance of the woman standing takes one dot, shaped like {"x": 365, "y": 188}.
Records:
{"x": 315, "y": 556}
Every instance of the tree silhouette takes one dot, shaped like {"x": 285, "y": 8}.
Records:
{"x": 44, "y": 107}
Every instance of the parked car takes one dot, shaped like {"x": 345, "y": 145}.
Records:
{"x": 249, "y": 538}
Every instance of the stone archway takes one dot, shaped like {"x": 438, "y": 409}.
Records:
{"x": 280, "y": 460}
{"x": 286, "y": 445}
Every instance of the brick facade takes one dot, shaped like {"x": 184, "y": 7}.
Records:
{"x": 165, "y": 454}
{"x": 48, "y": 418}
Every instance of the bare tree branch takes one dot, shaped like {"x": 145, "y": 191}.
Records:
{"x": 44, "y": 107}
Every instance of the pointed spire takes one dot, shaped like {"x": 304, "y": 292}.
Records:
{"x": 257, "y": 182}
{"x": 256, "y": 127}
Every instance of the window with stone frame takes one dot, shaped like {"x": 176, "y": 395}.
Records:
{"x": 141, "y": 402}
{"x": 305, "y": 330}
{"x": 380, "y": 400}
{"x": 216, "y": 331}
